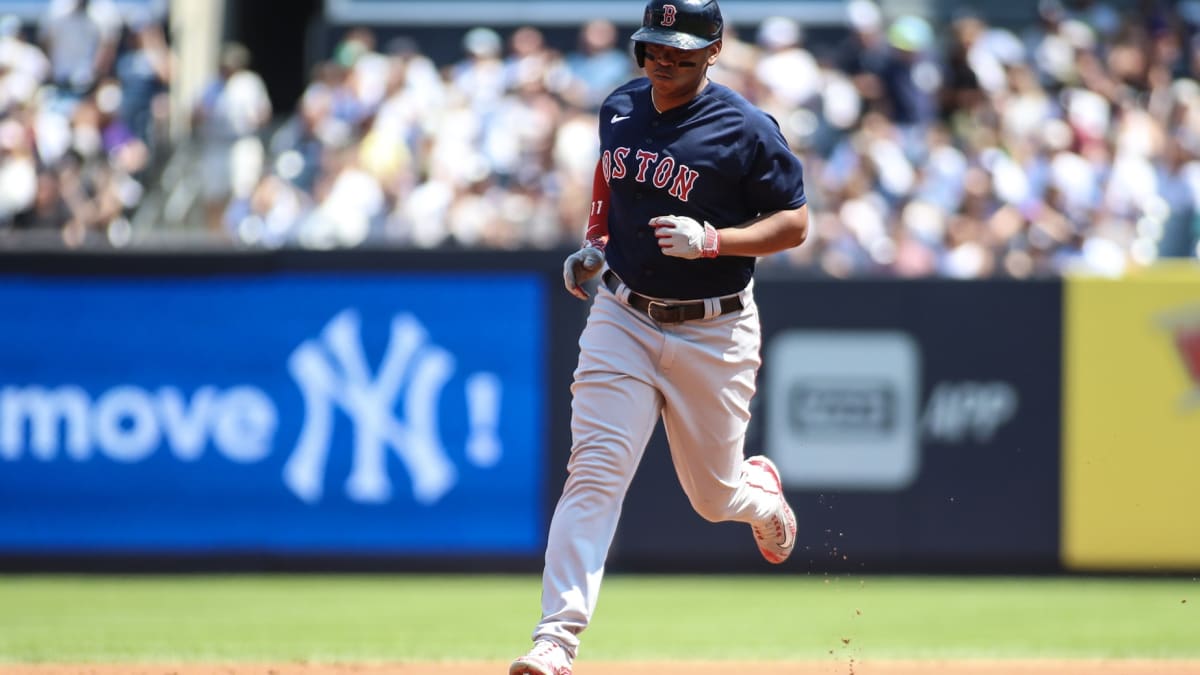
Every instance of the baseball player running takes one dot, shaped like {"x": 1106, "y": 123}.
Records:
{"x": 692, "y": 184}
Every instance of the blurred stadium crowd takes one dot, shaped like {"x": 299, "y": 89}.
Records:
{"x": 962, "y": 150}
{"x": 82, "y": 110}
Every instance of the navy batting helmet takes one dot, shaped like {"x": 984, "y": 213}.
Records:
{"x": 683, "y": 24}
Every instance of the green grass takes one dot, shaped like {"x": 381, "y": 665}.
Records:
{"x": 423, "y": 617}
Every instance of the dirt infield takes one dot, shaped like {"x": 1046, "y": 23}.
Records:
{"x": 831, "y": 667}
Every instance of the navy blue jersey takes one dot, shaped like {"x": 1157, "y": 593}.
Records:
{"x": 717, "y": 159}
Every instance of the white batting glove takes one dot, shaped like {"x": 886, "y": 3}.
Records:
{"x": 581, "y": 266}
{"x": 685, "y": 237}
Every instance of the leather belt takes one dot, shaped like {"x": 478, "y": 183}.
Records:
{"x": 669, "y": 312}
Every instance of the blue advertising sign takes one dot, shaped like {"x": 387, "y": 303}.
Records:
{"x": 291, "y": 413}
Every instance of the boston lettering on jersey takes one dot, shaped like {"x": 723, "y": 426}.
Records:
{"x": 660, "y": 171}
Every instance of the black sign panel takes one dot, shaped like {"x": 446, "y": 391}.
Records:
{"x": 915, "y": 423}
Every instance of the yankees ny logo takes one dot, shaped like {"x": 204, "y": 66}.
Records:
{"x": 333, "y": 372}
{"x": 668, "y": 15}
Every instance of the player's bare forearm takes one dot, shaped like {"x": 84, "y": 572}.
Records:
{"x": 767, "y": 234}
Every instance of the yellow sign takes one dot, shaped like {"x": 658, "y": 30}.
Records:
{"x": 1131, "y": 422}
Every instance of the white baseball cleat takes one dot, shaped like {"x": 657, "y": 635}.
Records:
{"x": 546, "y": 658}
{"x": 776, "y": 537}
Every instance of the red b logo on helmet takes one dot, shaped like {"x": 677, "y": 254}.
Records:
{"x": 668, "y": 15}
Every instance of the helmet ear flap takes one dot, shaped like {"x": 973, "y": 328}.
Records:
{"x": 639, "y": 50}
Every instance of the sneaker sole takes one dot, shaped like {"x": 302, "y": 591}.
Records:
{"x": 522, "y": 667}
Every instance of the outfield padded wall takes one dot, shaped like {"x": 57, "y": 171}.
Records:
{"x": 920, "y": 425}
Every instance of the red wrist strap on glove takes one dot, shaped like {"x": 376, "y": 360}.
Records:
{"x": 711, "y": 247}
